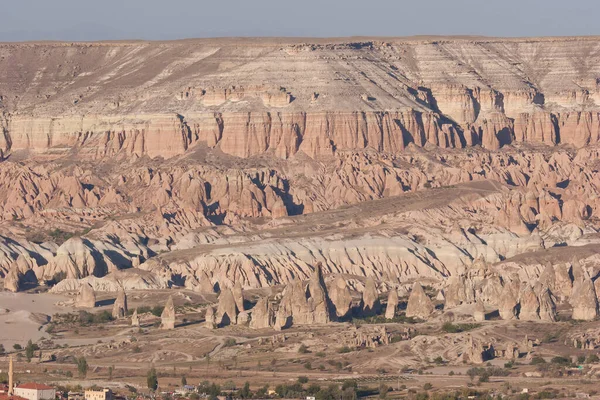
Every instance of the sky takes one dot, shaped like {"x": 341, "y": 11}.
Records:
{"x": 75, "y": 20}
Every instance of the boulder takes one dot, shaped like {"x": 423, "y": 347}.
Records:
{"x": 392, "y": 304}
{"x": 340, "y": 296}
{"x": 530, "y": 305}
{"x": 370, "y": 298}
{"x": 547, "y": 306}
{"x": 458, "y": 291}
{"x": 243, "y": 318}
{"x": 440, "y": 296}
{"x": 20, "y": 272}
{"x": 227, "y": 310}
{"x": 120, "y": 306}
{"x": 507, "y": 304}
{"x": 86, "y": 297}
{"x": 238, "y": 295}
{"x": 135, "y": 320}
{"x": 584, "y": 300}
{"x": 209, "y": 318}
{"x": 263, "y": 315}
{"x": 204, "y": 284}
{"x": 168, "y": 315}
{"x": 474, "y": 352}
{"x": 318, "y": 299}
{"x": 12, "y": 282}
{"x": 512, "y": 351}
{"x": 548, "y": 277}
{"x": 419, "y": 304}
{"x": 563, "y": 282}
{"x": 479, "y": 314}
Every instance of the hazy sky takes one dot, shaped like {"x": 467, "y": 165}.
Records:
{"x": 172, "y": 19}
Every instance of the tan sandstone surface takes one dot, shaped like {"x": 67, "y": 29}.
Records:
{"x": 337, "y": 171}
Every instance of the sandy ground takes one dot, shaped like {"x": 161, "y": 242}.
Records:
{"x": 22, "y": 316}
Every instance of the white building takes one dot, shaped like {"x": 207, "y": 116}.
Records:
{"x": 104, "y": 394}
{"x": 35, "y": 391}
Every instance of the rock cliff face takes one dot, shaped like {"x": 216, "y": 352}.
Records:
{"x": 441, "y": 95}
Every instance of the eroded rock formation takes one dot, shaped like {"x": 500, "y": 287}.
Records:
{"x": 227, "y": 310}
{"x": 340, "y": 296}
{"x": 86, "y": 297}
{"x": 392, "y": 304}
{"x": 120, "y": 305}
{"x": 370, "y": 298}
{"x": 303, "y": 304}
{"x": 167, "y": 318}
{"x": 419, "y": 304}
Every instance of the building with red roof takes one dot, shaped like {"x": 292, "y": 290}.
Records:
{"x": 4, "y": 396}
{"x": 35, "y": 391}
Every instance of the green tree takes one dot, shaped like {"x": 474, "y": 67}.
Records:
{"x": 152, "y": 379}
{"x": 110, "y": 372}
{"x": 29, "y": 350}
{"x": 245, "y": 392}
{"x": 82, "y": 366}
{"x": 183, "y": 381}
{"x": 383, "y": 390}
{"x": 591, "y": 359}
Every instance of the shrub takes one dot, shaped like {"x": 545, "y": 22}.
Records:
{"x": 427, "y": 386}
{"x": 560, "y": 360}
{"x": 302, "y": 379}
{"x": 537, "y": 360}
{"x": 82, "y": 366}
{"x": 303, "y": 349}
{"x": 29, "y": 350}
{"x": 344, "y": 349}
{"x": 449, "y": 327}
{"x": 152, "y": 379}
{"x": 157, "y": 311}
{"x": 593, "y": 359}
